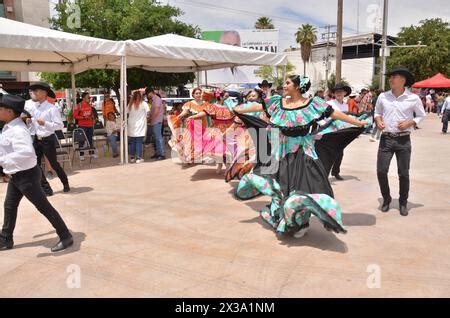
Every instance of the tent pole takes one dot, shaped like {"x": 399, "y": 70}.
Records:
{"x": 122, "y": 116}
{"x": 74, "y": 89}
{"x": 125, "y": 139}
{"x": 206, "y": 78}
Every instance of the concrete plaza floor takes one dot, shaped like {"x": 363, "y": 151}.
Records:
{"x": 158, "y": 230}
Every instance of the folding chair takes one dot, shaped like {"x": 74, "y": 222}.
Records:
{"x": 79, "y": 137}
{"x": 62, "y": 139}
{"x": 61, "y": 154}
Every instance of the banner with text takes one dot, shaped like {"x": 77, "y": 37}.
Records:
{"x": 262, "y": 40}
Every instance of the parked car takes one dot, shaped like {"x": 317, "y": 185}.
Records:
{"x": 97, "y": 101}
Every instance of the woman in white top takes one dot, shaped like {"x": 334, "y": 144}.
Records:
{"x": 112, "y": 132}
{"x": 138, "y": 111}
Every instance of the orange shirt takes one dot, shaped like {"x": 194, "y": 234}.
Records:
{"x": 352, "y": 106}
{"x": 108, "y": 107}
{"x": 84, "y": 114}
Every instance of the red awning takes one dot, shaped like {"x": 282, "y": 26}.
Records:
{"x": 437, "y": 81}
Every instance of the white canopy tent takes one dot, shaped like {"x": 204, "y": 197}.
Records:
{"x": 25, "y": 47}
{"x": 173, "y": 53}
{"x": 29, "y": 48}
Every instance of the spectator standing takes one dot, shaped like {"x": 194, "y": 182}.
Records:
{"x": 137, "y": 125}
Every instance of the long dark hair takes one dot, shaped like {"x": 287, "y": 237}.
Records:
{"x": 260, "y": 99}
{"x": 301, "y": 82}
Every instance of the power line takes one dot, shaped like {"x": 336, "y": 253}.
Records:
{"x": 239, "y": 11}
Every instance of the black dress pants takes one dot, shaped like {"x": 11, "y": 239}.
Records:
{"x": 47, "y": 147}
{"x": 445, "y": 119}
{"x": 28, "y": 183}
{"x": 401, "y": 147}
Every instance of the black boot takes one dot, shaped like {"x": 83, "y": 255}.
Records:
{"x": 63, "y": 244}
{"x": 6, "y": 243}
{"x": 66, "y": 187}
{"x": 385, "y": 205}
{"x": 404, "y": 193}
{"x": 403, "y": 209}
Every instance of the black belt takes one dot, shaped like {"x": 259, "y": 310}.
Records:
{"x": 51, "y": 137}
{"x": 19, "y": 174}
{"x": 396, "y": 135}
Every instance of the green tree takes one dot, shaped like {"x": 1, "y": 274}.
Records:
{"x": 121, "y": 20}
{"x": 264, "y": 23}
{"x": 426, "y": 61}
{"x": 274, "y": 74}
{"x": 306, "y": 37}
{"x": 331, "y": 83}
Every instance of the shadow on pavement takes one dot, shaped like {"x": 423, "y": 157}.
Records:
{"x": 317, "y": 237}
{"x": 358, "y": 219}
{"x": 77, "y": 190}
{"x": 78, "y": 238}
{"x": 207, "y": 174}
{"x": 333, "y": 180}
{"x": 395, "y": 204}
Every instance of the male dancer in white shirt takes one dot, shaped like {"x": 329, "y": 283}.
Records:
{"x": 394, "y": 115}
{"x": 46, "y": 119}
{"x": 340, "y": 91}
{"x": 18, "y": 159}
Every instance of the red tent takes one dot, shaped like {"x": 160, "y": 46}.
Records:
{"x": 437, "y": 81}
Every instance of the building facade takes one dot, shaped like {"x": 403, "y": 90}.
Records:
{"x": 359, "y": 58}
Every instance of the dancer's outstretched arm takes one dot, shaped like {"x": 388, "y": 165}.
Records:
{"x": 250, "y": 109}
{"x": 198, "y": 116}
{"x": 348, "y": 119}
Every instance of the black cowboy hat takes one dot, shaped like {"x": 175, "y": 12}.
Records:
{"x": 43, "y": 86}
{"x": 340, "y": 86}
{"x": 265, "y": 83}
{"x": 14, "y": 102}
{"x": 403, "y": 71}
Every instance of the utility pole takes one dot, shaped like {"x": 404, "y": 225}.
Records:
{"x": 339, "y": 41}
{"x": 357, "y": 19}
{"x": 384, "y": 46}
{"x": 328, "y": 35}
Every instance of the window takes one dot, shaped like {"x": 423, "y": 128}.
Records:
{"x": 2, "y": 9}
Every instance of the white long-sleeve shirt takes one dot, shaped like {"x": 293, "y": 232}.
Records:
{"x": 47, "y": 112}
{"x": 395, "y": 110}
{"x": 338, "y": 106}
{"x": 16, "y": 148}
{"x": 446, "y": 105}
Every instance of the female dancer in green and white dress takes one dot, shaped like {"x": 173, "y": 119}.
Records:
{"x": 292, "y": 174}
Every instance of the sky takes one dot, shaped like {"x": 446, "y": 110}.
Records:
{"x": 287, "y": 16}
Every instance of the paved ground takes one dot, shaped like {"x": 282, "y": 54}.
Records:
{"x": 157, "y": 230}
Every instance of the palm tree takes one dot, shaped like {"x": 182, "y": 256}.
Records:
{"x": 264, "y": 23}
{"x": 306, "y": 37}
